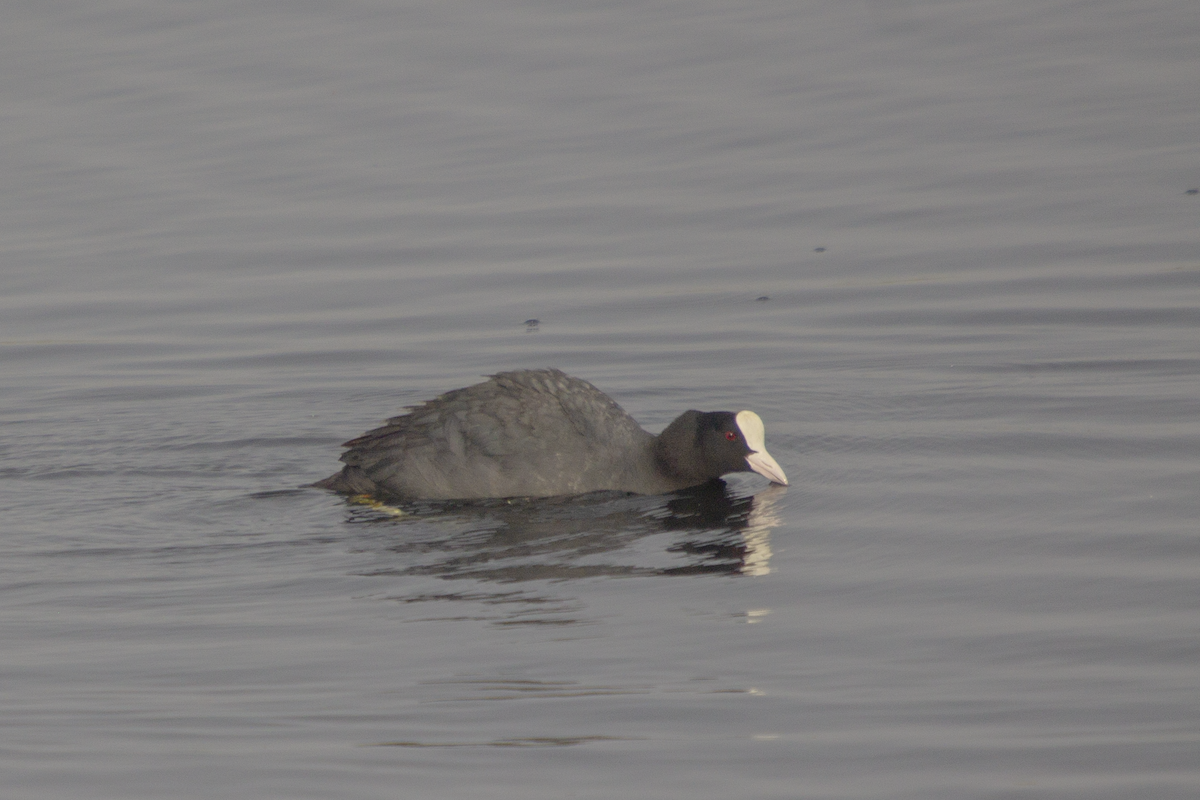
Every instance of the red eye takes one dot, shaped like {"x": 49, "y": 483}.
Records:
{"x": 731, "y": 436}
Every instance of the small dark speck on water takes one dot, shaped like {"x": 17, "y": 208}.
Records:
{"x": 532, "y": 323}
{"x": 818, "y": 249}
{"x": 762, "y": 299}
{"x": 1192, "y": 191}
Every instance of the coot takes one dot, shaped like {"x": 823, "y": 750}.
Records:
{"x": 542, "y": 433}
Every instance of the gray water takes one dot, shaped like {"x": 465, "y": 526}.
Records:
{"x": 235, "y": 234}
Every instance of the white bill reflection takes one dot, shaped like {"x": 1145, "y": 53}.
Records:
{"x": 764, "y": 517}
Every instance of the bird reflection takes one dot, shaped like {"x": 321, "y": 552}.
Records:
{"x": 708, "y": 529}
{"x": 750, "y": 518}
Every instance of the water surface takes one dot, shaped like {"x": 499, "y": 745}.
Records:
{"x": 944, "y": 249}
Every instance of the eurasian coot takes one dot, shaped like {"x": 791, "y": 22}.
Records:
{"x": 542, "y": 433}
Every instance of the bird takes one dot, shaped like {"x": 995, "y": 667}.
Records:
{"x": 542, "y": 433}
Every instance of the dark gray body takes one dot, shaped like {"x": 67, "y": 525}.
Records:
{"x": 532, "y": 433}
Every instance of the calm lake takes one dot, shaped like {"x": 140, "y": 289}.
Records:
{"x": 948, "y": 250}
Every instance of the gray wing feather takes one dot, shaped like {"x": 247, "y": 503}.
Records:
{"x": 535, "y": 432}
